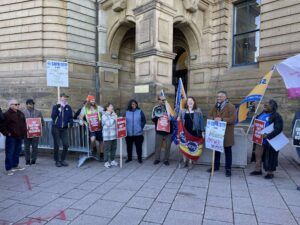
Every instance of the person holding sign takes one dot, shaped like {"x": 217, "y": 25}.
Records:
{"x": 14, "y": 128}
{"x": 270, "y": 156}
{"x": 261, "y": 121}
{"x": 296, "y": 131}
{"x": 224, "y": 111}
{"x": 135, "y": 123}
{"x": 34, "y": 122}
{"x": 192, "y": 120}
{"x": 92, "y": 114}
{"x": 109, "y": 132}
{"x": 164, "y": 130}
{"x": 62, "y": 119}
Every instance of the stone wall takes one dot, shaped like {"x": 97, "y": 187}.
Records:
{"x": 35, "y": 31}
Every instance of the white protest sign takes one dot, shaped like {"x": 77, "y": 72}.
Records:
{"x": 214, "y": 135}
{"x": 57, "y": 74}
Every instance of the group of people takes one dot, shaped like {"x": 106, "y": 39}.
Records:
{"x": 102, "y": 128}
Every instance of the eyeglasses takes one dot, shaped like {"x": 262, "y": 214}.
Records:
{"x": 17, "y": 104}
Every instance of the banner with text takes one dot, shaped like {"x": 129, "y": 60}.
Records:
{"x": 94, "y": 122}
{"x": 214, "y": 135}
{"x": 34, "y": 127}
{"x": 257, "y": 135}
{"x": 121, "y": 127}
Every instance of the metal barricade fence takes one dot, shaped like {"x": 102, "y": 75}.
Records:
{"x": 78, "y": 139}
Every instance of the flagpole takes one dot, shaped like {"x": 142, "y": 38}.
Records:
{"x": 259, "y": 103}
{"x": 254, "y": 114}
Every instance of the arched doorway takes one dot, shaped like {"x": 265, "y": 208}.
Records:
{"x": 181, "y": 61}
{"x": 126, "y": 78}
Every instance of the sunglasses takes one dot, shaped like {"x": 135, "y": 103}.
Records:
{"x": 17, "y": 104}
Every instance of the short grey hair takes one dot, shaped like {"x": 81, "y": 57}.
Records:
{"x": 11, "y": 101}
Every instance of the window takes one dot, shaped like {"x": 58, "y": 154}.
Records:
{"x": 246, "y": 32}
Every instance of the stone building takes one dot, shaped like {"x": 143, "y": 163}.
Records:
{"x": 119, "y": 49}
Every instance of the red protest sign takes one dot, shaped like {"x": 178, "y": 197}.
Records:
{"x": 121, "y": 127}
{"x": 257, "y": 136}
{"x": 163, "y": 124}
{"x": 94, "y": 122}
{"x": 34, "y": 127}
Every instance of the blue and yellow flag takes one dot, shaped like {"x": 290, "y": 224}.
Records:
{"x": 254, "y": 96}
{"x": 180, "y": 97}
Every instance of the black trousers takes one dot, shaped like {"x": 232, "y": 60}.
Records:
{"x": 228, "y": 158}
{"x": 138, "y": 140}
{"x": 60, "y": 134}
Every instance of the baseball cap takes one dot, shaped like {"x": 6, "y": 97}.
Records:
{"x": 30, "y": 102}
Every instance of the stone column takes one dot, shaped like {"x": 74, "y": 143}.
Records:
{"x": 154, "y": 50}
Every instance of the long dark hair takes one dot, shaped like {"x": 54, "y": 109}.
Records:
{"x": 129, "y": 107}
{"x": 195, "y": 104}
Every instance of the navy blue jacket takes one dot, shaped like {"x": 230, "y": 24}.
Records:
{"x": 62, "y": 116}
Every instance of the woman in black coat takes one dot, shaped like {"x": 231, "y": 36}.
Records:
{"x": 270, "y": 157}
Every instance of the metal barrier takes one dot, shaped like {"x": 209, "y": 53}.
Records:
{"x": 78, "y": 140}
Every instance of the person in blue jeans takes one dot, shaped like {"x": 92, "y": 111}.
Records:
{"x": 296, "y": 117}
{"x": 14, "y": 128}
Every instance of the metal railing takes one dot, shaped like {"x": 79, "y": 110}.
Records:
{"x": 78, "y": 137}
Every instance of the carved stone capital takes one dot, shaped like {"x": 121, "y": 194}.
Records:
{"x": 119, "y": 5}
{"x": 190, "y": 5}
{"x": 193, "y": 5}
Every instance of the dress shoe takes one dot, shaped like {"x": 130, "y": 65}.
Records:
{"x": 269, "y": 176}
{"x": 57, "y": 164}
{"x": 128, "y": 160}
{"x": 228, "y": 173}
{"x": 166, "y": 163}
{"x": 255, "y": 173}
{"x": 156, "y": 162}
{"x": 63, "y": 163}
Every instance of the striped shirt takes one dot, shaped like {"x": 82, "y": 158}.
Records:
{"x": 109, "y": 126}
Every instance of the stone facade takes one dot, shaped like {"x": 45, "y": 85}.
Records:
{"x": 139, "y": 45}
{"x": 35, "y": 31}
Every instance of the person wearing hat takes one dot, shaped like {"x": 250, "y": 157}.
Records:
{"x": 31, "y": 112}
{"x": 62, "y": 119}
{"x": 164, "y": 129}
{"x": 91, "y": 114}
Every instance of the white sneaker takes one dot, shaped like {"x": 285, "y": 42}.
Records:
{"x": 9, "y": 173}
{"x": 18, "y": 168}
{"x": 107, "y": 165}
{"x": 114, "y": 163}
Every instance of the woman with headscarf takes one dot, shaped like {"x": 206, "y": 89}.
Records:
{"x": 270, "y": 155}
{"x": 135, "y": 123}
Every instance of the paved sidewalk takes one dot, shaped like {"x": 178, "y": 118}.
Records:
{"x": 148, "y": 195}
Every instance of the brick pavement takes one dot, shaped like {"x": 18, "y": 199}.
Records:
{"x": 148, "y": 195}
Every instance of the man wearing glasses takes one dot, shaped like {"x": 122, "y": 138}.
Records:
{"x": 14, "y": 128}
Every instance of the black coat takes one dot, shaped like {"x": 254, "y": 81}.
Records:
{"x": 1, "y": 116}
{"x": 270, "y": 157}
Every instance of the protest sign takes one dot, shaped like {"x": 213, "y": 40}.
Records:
{"x": 94, "y": 122}
{"x": 121, "y": 127}
{"x": 257, "y": 136}
{"x": 214, "y": 135}
{"x": 163, "y": 123}
{"x": 34, "y": 127}
{"x": 296, "y": 134}
{"x": 57, "y": 74}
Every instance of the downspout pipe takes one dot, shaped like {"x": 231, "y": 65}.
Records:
{"x": 97, "y": 79}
